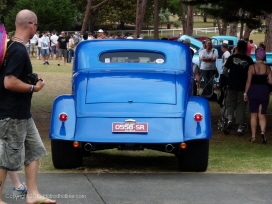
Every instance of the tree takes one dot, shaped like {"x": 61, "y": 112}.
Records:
{"x": 3, "y": 7}
{"x": 233, "y": 11}
{"x": 156, "y": 19}
{"x": 268, "y": 32}
{"x": 88, "y": 12}
{"x": 164, "y": 16}
{"x": 52, "y": 14}
{"x": 140, "y": 14}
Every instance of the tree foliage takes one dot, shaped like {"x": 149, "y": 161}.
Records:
{"x": 117, "y": 12}
{"x": 3, "y": 7}
{"x": 52, "y": 14}
{"x": 246, "y": 11}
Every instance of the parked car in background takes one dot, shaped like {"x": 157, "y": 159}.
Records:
{"x": 131, "y": 95}
{"x": 173, "y": 38}
{"x": 200, "y": 38}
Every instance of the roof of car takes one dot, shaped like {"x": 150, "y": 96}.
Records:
{"x": 177, "y": 55}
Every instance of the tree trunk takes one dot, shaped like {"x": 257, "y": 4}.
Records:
{"x": 224, "y": 28}
{"x": 156, "y": 19}
{"x": 218, "y": 21}
{"x": 233, "y": 29}
{"x": 268, "y": 33}
{"x": 140, "y": 13}
{"x": 242, "y": 30}
{"x": 183, "y": 17}
{"x": 87, "y": 16}
{"x": 204, "y": 18}
{"x": 190, "y": 20}
{"x": 247, "y": 32}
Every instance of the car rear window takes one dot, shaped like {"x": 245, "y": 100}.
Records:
{"x": 132, "y": 57}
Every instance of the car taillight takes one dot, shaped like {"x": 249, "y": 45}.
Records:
{"x": 198, "y": 117}
{"x": 63, "y": 117}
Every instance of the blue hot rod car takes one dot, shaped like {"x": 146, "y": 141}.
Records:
{"x": 131, "y": 95}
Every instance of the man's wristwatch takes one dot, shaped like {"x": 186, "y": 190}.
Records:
{"x": 245, "y": 94}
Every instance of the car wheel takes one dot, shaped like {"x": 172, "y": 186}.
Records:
{"x": 64, "y": 155}
{"x": 194, "y": 158}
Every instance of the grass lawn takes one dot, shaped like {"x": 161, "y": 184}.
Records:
{"x": 231, "y": 154}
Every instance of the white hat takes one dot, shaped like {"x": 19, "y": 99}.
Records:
{"x": 100, "y": 31}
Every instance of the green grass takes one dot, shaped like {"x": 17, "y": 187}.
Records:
{"x": 230, "y": 154}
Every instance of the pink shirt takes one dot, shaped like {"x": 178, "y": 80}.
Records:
{"x": 252, "y": 45}
{"x": 248, "y": 49}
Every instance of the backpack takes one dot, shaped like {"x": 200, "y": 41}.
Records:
{"x": 3, "y": 43}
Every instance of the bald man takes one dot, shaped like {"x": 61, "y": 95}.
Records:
{"x": 20, "y": 142}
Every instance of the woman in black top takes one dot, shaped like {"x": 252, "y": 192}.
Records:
{"x": 257, "y": 93}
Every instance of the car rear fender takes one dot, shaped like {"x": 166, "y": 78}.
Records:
{"x": 63, "y": 130}
{"x": 193, "y": 129}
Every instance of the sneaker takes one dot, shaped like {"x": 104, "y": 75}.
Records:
{"x": 228, "y": 128}
{"x": 47, "y": 62}
{"x": 44, "y": 63}
{"x": 20, "y": 192}
{"x": 58, "y": 64}
{"x": 240, "y": 131}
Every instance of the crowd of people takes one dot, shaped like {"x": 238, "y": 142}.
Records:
{"x": 247, "y": 83}
{"x": 45, "y": 46}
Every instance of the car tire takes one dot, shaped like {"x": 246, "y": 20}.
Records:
{"x": 194, "y": 158}
{"x": 64, "y": 155}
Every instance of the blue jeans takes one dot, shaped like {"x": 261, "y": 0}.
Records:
{"x": 70, "y": 55}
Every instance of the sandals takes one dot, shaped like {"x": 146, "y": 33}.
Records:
{"x": 252, "y": 140}
{"x": 264, "y": 141}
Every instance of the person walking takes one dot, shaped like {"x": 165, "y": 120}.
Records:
{"x": 257, "y": 93}
{"x": 33, "y": 44}
{"x": 20, "y": 142}
{"x": 45, "y": 44}
{"x": 54, "y": 42}
{"x": 236, "y": 69}
{"x": 71, "y": 46}
{"x": 62, "y": 48}
{"x": 19, "y": 189}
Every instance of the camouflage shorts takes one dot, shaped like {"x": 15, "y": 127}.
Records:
{"x": 20, "y": 143}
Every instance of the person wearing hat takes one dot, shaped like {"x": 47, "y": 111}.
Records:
{"x": 187, "y": 41}
{"x": 141, "y": 36}
{"x": 100, "y": 34}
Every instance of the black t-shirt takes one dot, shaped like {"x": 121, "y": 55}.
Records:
{"x": 15, "y": 105}
{"x": 63, "y": 42}
{"x": 238, "y": 65}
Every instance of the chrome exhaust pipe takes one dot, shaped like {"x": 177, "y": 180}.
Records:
{"x": 169, "y": 148}
{"x": 88, "y": 147}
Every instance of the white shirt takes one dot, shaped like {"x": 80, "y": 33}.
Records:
{"x": 224, "y": 57}
{"x": 208, "y": 65}
{"x": 39, "y": 42}
{"x": 34, "y": 39}
{"x": 54, "y": 40}
{"x": 45, "y": 42}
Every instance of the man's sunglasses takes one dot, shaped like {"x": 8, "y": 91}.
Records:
{"x": 36, "y": 24}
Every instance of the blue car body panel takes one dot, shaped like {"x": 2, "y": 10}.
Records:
{"x": 104, "y": 92}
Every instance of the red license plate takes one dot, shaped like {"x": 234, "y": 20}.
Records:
{"x": 130, "y": 127}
